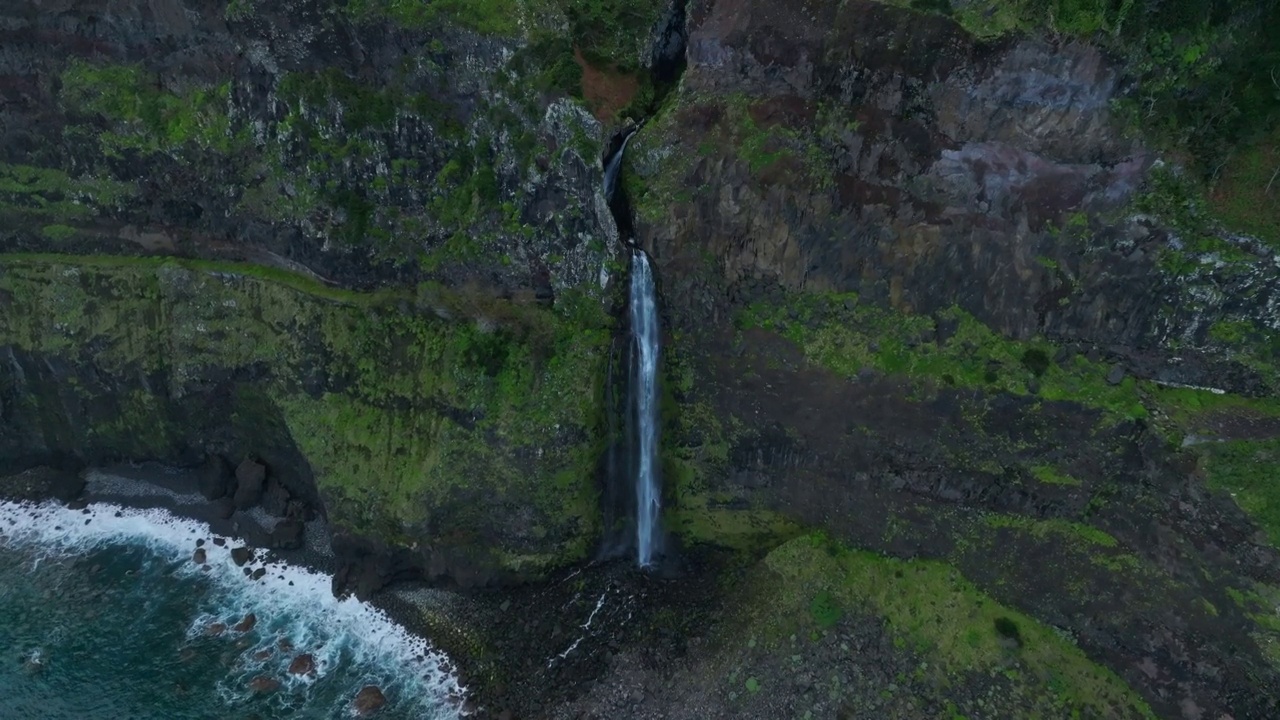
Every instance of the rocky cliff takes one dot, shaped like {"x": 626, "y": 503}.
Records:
{"x": 972, "y": 325}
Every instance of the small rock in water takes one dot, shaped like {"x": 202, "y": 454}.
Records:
{"x": 187, "y": 654}
{"x": 263, "y": 684}
{"x": 369, "y": 700}
{"x": 205, "y": 568}
{"x": 199, "y": 557}
{"x": 258, "y": 574}
{"x": 215, "y": 629}
{"x": 304, "y": 664}
{"x": 219, "y": 541}
{"x": 241, "y": 555}
{"x": 262, "y": 654}
{"x": 200, "y": 542}
{"x": 247, "y": 623}
{"x": 285, "y": 645}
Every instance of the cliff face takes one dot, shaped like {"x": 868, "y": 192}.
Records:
{"x": 464, "y": 427}
{"x": 928, "y": 288}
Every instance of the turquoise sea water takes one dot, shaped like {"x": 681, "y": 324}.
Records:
{"x": 103, "y": 615}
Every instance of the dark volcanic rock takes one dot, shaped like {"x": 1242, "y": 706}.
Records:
{"x": 241, "y": 555}
{"x": 1116, "y": 375}
{"x": 369, "y": 700}
{"x": 216, "y": 478}
{"x": 275, "y": 498}
{"x": 251, "y": 477}
{"x": 304, "y": 664}
{"x": 223, "y": 508}
{"x": 199, "y": 557}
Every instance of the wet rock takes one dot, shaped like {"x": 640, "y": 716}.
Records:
{"x": 285, "y": 645}
{"x": 1116, "y": 376}
{"x": 241, "y": 555}
{"x": 251, "y": 477}
{"x": 369, "y": 700}
{"x": 264, "y": 685}
{"x": 258, "y": 574}
{"x": 263, "y": 654}
{"x": 215, "y": 629}
{"x": 199, "y": 557}
{"x": 247, "y": 623}
{"x": 287, "y": 535}
{"x": 216, "y": 479}
{"x": 304, "y": 664}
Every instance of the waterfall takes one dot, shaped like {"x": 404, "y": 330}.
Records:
{"x": 644, "y": 404}
{"x": 613, "y": 167}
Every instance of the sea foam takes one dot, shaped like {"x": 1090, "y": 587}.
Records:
{"x": 289, "y": 602}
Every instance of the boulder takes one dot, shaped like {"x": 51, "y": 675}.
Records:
{"x": 216, "y": 479}
{"x": 247, "y": 623}
{"x": 1116, "y": 376}
{"x": 241, "y": 555}
{"x": 199, "y": 557}
{"x": 251, "y": 478}
{"x": 369, "y": 700}
{"x": 304, "y": 664}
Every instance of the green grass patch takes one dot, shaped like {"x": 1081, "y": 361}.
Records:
{"x": 1051, "y": 475}
{"x": 937, "y": 612}
{"x": 1250, "y": 471}
{"x": 1041, "y": 528}
{"x": 845, "y": 336}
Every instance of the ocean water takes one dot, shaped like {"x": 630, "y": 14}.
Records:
{"x": 104, "y": 615}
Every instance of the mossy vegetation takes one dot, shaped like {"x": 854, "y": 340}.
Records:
{"x": 1051, "y": 475}
{"x": 839, "y": 333}
{"x": 145, "y": 118}
{"x": 1250, "y": 471}
{"x": 932, "y": 609}
{"x": 54, "y": 198}
{"x": 422, "y": 413}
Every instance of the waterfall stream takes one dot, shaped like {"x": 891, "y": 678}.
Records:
{"x": 644, "y": 404}
{"x": 642, "y": 467}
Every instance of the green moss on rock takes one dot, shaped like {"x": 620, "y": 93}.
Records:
{"x": 845, "y": 336}
{"x": 931, "y": 608}
{"x": 480, "y": 430}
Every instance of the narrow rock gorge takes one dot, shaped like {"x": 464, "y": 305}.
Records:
{"x": 969, "y": 317}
